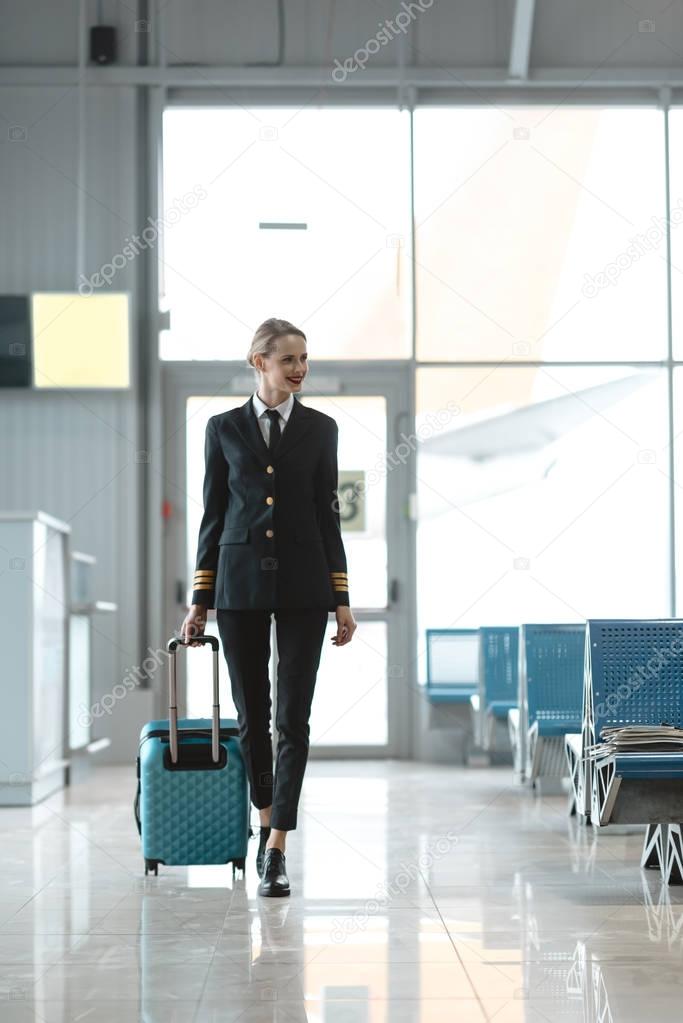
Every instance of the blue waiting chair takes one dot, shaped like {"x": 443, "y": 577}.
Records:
{"x": 634, "y": 676}
{"x": 551, "y": 669}
{"x": 452, "y": 679}
{"x": 498, "y": 680}
{"x": 452, "y": 665}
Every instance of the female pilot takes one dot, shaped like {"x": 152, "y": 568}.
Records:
{"x": 270, "y": 542}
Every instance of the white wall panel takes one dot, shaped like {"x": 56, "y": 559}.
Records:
{"x": 46, "y": 31}
{"x": 213, "y": 32}
{"x": 71, "y": 453}
{"x": 610, "y": 34}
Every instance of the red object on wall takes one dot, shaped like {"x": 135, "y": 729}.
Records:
{"x": 166, "y": 510}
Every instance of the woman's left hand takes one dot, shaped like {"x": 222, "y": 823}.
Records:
{"x": 346, "y": 625}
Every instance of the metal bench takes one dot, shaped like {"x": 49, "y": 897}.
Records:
{"x": 634, "y": 676}
{"x": 498, "y": 681}
{"x": 551, "y": 670}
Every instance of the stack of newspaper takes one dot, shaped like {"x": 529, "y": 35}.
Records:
{"x": 638, "y": 739}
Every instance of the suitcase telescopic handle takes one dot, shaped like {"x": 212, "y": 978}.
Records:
{"x": 174, "y": 643}
{"x": 172, "y": 647}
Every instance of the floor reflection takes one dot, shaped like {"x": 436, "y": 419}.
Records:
{"x": 431, "y": 894}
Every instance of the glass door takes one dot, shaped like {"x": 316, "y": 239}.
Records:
{"x": 362, "y": 697}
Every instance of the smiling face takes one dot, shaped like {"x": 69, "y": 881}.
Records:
{"x": 284, "y": 370}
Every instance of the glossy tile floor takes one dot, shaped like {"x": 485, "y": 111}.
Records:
{"x": 419, "y": 893}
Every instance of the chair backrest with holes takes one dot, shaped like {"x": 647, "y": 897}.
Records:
{"x": 452, "y": 663}
{"x": 552, "y": 663}
{"x": 634, "y": 672}
{"x": 499, "y": 667}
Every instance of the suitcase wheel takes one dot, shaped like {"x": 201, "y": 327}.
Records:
{"x": 238, "y": 865}
{"x": 151, "y": 865}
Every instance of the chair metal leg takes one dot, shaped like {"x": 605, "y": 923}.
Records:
{"x": 535, "y": 747}
{"x": 573, "y": 766}
{"x": 654, "y": 847}
{"x": 674, "y": 854}
{"x": 516, "y": 738}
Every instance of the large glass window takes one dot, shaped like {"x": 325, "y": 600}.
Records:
{"x": 676, "y": 221}
{"x": 542, "y": 495}
{"x": 301, "y": 214}
{"x": 539, "y": 233}
{"x": 544, "y": 491}
{"x": 678, "y": 481}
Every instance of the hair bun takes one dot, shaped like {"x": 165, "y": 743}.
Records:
{"x": 265, "y": 339}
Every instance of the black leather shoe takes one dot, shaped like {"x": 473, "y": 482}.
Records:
{"x": 274, "y": 880}
{"x": 264, "y": 836}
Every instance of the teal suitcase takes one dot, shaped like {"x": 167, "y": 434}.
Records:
{"x": 192, "y": 801}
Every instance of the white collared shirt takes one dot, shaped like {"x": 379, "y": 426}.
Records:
{"x": 260, "y": 407}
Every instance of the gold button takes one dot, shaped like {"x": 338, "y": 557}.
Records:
{"x": 269, "y": 532}
{"x": 269, "y": 468}
{"x": 269, "y": 500}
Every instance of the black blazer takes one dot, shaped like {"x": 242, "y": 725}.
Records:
{"x": 270, "y": 535}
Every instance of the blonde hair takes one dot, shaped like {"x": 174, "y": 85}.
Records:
{"x": 265, "y": 339}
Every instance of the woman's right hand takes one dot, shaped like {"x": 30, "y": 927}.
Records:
{"x": 193, "y": 626}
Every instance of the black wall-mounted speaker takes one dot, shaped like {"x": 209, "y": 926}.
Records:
{"x": 103, "y": 44}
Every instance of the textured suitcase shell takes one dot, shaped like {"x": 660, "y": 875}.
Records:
{"x": 192, "y": 802}
{"x": 192, "y": 816}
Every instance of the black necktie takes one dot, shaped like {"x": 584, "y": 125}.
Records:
{"x": 275, "y": 431}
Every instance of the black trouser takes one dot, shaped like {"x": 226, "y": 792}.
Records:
{"x": 245, "y": 635}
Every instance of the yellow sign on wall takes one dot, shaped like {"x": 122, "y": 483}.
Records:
{"x": 80, "y": 340}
